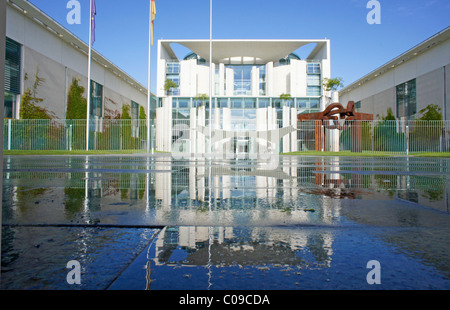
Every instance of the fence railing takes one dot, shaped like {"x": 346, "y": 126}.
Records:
{"x": 392, "y": 137}
{"x": 70, "y": 135}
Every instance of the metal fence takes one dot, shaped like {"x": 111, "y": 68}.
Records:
{"x": 70, "y": 135}
{"x": 390, "y": 137}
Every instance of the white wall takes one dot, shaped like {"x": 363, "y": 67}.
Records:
{"x": 433, "y": 59}
{"x": 53, "y": 56}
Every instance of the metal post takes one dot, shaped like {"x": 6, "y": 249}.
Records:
{"x": 89, "y": 78}
{"x": 210, "y": 76}
{"x": 9, "y": 135}
{"x": 149, "y": 92}
{"x": 407, "y": 139}
{"x": 2, "y": 93}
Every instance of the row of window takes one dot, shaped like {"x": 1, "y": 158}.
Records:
{"x": 246, "y": 103}
{"x": 242, "y": 75}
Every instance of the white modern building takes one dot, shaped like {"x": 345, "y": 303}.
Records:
{"x": 38, "y": 45}
{"x": 257, "y": 86}
{"x": 408, "y": 83}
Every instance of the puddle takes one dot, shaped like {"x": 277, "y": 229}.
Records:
{"x": 305, "y": 223}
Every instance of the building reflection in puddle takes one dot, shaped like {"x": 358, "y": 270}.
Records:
{"x": 238, "y": 213}
{"x": 161, "y": 190}
{"x": 235, "y": 257}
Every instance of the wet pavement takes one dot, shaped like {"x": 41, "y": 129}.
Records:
{"x": 157, "y": 222}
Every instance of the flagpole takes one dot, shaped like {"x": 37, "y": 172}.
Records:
{"x": 149, "y": 93}
{"x": 210, "y": 77}
{"x": 89, "y": 79}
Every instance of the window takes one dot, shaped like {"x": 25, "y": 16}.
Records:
{"x": 173, "y": 68}
{"x": 96, "y": 109}
{"x": 12, "y": 76}
{"x": 313, "y": 80}
{"x": 264, "y": 102}
{"x": 313, "y": 68}
{"x": 314, "y": 104}
{"x": 406, "y": 99}
{"x": 173, "y": 73}
{"x": 134, "y": 119}
{"x": 12, "y": 66}
{"x": 313, "y": 91}
{"x": 222, "y": 102}
{"x": 262, "y": 80}
{"x": 10, "y": 99}
{"x": 176, "y": 79}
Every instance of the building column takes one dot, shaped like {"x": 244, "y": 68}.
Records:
{"x": 261, "y": 126}
{"x": 217, "y": 145}
{"x": 193, "y": 131}
{"x": 201, "y": 121}
{"x": 269, "y": 79}
{"x": 226, "y": 125}
{"x": 286, "y": 123}
{"x": 294, "y": 136}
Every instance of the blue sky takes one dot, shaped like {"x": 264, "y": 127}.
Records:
{"x": 357, "y": 48}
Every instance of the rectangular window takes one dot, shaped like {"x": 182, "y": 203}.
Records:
{"x": 263, "y": 102}
{"x": 406, "y": 99}
{"x": 96, "y": 109}
{"x": 236, "y": 103}
{"x": 12, "y": 76}
{"x": 12, "y": 66}
{"x": 176, "y": 79}
{"x": 314, "y": 104}
{"x": 222, "y": 102}
{"x": 249, "y": 103}
{"x": 313, "y": 91}
{"x": 173, "y": 68}
{"x": 10, "y": 100}
{"x": 134, "y": 119}
{"x": 313, "y": 68}
{"x": 262, "y": 80}
{"x": 313, "y": 80}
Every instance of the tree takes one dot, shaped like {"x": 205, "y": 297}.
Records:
{"x": 76, "y": 103}
{"x": 202, "y": 98}
{"x": 169, "y": 84}
{"x": 431, "y": 112}
{"x": 29, "y": 108}
{"x": 285, "y": 97}
{"x": 332, "y": 84}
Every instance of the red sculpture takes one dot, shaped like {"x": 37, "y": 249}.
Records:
{"x": 328, "y": 120}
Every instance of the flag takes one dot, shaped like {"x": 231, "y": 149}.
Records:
{"x": 152, "y": 17}
{"x": 93, "y": 12}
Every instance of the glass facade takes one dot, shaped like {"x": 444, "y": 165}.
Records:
{"x": 181, "y": 106}
{"x": 406, "y": 99}
{"x": 313, "y": 79}
{"x": 173, "y": 74}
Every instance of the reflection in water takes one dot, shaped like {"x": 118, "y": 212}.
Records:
{"x": 241, "y": 222}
